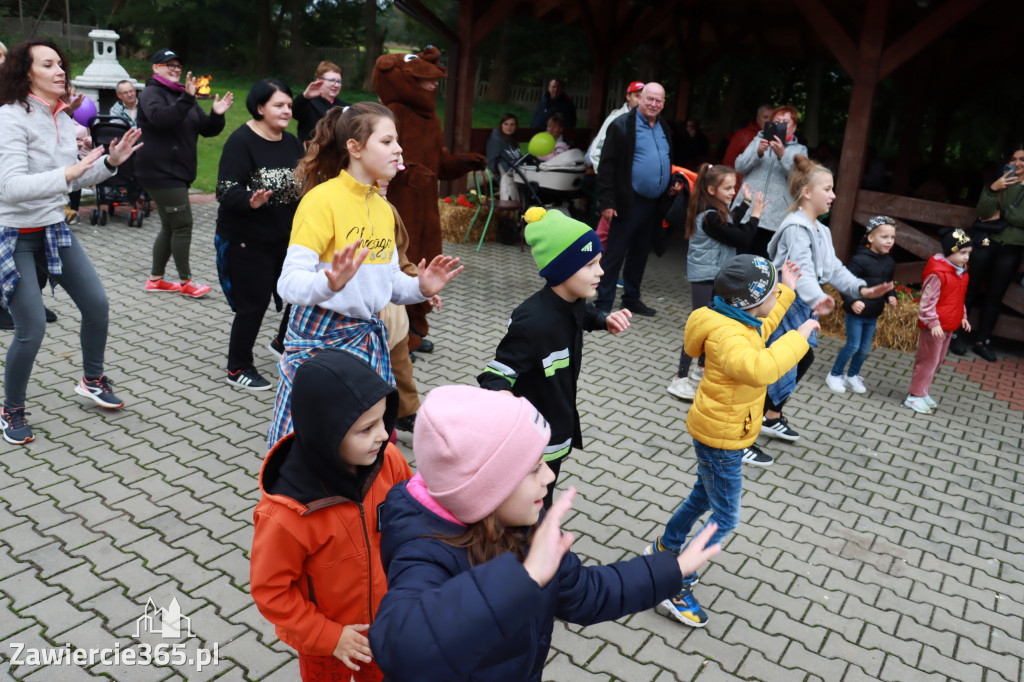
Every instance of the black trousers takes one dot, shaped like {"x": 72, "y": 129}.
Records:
{"x": 556, "y": 466}
{"x": 252, "y": 269}
{"x": 997, "y": 265}
{"x": 629, "y": 244}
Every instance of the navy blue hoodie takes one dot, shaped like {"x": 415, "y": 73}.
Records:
{"x": 445, "y": 620}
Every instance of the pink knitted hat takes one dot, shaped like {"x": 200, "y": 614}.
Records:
{"x": 473, "y": 447}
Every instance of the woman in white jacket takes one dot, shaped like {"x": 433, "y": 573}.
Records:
{"x": 39, "y": 164}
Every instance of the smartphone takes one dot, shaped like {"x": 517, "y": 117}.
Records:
{"x": 772, "y": 130}
{"x": 1009, "y": 169}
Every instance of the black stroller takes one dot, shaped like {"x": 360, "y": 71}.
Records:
{"x": 121, "y": 189}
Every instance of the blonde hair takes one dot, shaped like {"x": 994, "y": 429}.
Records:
{"x": 803, "y": 175}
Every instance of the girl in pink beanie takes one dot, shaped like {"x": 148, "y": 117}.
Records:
{"x": 475, "y": 577}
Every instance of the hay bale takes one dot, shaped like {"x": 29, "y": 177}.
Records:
{"x": 896, "y": 329}
{"x": 455, "y": 219}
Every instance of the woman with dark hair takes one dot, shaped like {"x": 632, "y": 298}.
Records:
{"x": 258, "y": 194}
{"x": 502, "y": 147}
{"x": 999, "y": 262}
{"x": 39, "y": 164}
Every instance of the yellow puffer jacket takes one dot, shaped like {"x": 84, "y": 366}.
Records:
{"x": 727, "y": 411}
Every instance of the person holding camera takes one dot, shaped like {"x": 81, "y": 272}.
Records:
{"x": 1000, "y": 205}
{"x": 766, "y": 165}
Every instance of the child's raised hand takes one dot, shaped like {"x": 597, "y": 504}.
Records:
{"x": 937, "y": 332}
{"x": 808, "y": 328}
{"x": 697, "y": 553}
{"x": 857, "y": 307}
{"x": 353, "y": 646}
{"x": 824, "y": 306}
{"x": 748, "y": 193}
{"x": 441, "y": 270}
{"x": 344, "y": 265}
{"x": 877, "y": 291}
{"x": 759, "y": 203}
{"x": 789, "y": 274}
{"x": 549, "y": 543}
{"x": 618, "y": 321}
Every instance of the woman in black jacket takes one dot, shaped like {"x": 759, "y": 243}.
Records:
{"x": 258, "y": 195}
{"x": 171, "y": 122}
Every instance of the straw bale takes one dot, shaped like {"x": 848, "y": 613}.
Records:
{"x": 897, "y": 326}
{"x": 455, "y": 219}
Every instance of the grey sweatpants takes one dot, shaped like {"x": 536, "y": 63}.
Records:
{"x": 83, "y": 285}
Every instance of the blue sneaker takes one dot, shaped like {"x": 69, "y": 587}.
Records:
{"x": 656, "y": 546}
{"x": 685, "y": 608}
{"x": 12, "y": 421}
{"x": 621, "y": 283}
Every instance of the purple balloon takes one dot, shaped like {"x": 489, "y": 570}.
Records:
{"x": 85, "y": 111}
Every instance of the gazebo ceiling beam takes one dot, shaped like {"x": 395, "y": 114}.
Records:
{"x": 494, "y": 15}
{"x": 641, "y": 28}
{"x": 418, "y": 11}
{"x": 924, "y": 33}
{"x": 831, "y": 32}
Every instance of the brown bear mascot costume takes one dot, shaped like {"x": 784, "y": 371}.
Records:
{"x": 407, "y": 85}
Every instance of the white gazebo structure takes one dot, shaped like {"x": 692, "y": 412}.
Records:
{"x": 100, "y": 79}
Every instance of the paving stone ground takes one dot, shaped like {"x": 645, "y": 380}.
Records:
{"x": 881, "y": 546}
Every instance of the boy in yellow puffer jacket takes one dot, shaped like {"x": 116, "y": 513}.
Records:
{"x": 726, "y": 414}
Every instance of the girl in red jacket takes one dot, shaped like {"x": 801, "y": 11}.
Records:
{"x": 942, "y": 312}
{"x": 315, "y": 566}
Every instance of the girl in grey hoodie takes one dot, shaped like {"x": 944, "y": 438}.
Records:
{"x": 801, "y": 238}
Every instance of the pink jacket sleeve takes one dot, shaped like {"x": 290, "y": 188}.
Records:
{"x": 930, "y": 292}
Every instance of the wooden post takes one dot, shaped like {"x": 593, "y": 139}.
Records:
{"x": 465, "y": 77}
{"x": 858, "y": 125}
{"x": 598, "y": 95}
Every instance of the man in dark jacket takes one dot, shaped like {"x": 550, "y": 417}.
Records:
{"x": 171, "y": 122}
{"x": 552, "y": 102}
{"x": 632, "y": 186}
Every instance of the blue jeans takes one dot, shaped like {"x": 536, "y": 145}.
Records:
{"x": 859, "y": 333}
{"x": 718, "y": 488}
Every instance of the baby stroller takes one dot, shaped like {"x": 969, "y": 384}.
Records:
{"x": 120, "y": 189}
{"x": 556, "y": 180}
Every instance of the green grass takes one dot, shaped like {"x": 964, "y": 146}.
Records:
{"x": 485, "y": 115}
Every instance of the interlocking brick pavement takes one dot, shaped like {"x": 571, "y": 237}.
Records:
{"x": 882, "y": 545}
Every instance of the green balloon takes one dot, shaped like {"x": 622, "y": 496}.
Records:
{"x": 541, "y": 144}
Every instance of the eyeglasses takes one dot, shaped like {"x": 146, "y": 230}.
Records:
{"x": 332, "y": 81}
{"x": 171, "y": 67}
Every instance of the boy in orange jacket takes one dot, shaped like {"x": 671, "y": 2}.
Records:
{"x": 315, "y": 566}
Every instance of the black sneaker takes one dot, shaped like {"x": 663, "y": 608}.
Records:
{"x": 248, "y": 378}
{"x": 755, "y": 456}
{"x": 984, "y": 350}
{"x": 406, "y": 423}
{"x": 426, "y": 346}
{"x": 276, "y": 347}
{"x": 957, "y": 344}
{"x": 12, "y": 421}
{"x": 778, "y": 428}
{"x": 50, "y": 315}
{"x": 638, "y": 308}
{"x": 99, "y": 391}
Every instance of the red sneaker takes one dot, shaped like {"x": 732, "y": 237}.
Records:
{"x": 194, "y": 289}
{"x": 160, "y": 285}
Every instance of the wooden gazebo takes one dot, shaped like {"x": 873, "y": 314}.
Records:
{"x": 870, "y": 40}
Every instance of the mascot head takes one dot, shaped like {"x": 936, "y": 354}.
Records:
{"x": 410, "y": 79}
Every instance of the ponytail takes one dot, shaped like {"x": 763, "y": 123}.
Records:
{"x": 708, "y": 177}
{"x": 327, "y": 153}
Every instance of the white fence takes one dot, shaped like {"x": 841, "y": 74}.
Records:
{"x": 527, "y": 96}
{"x": 13, "y": 30}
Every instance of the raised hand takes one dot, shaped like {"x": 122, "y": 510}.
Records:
{"x": 121, "y": 149}
{"x": 618, "y": 321}
{"x": 877, "y": 290}
{"x": 352, "y": 646}
{"x": 259, "y": 198}
{"x": 808, "y": 328}
{"x": 190, "y": 84}
{"x": 697, "y": 553}
{"x": 313, "y": 89}
{"x": 441, "y": 270}
{"x": 758, "y": 206}
{"x": 789, "y": 274}
{"x": 345, "y": 264}
{"x": 824, "y": 306}
{"x": 549, "y": 543}
{"x": 84, "y": 164}
{"x": 222, "y": 104}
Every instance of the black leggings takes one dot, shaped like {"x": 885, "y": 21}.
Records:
{"x": 555, "y": 465}
{"x": 252, "y": 269}
{"x": 801, "y": 369}
{"x": 997, "y": 264}
{"x": 701, "y": 294}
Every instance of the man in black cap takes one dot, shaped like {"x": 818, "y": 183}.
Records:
{"x": 171, "y": 122}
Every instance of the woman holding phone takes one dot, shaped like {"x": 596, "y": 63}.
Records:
{"x": 1000, "y": 261}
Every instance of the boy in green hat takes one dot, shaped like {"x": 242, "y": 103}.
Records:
{"x": 540, "y": 356}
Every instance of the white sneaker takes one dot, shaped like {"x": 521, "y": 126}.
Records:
{"x": 696, "y": 373}
{"x": 856, "y": 384}
{"x": 834, "y": 383}
{"x": 683, "y": 388}
{"x": 917, "y": 404}
{"x": 931, "y": 403}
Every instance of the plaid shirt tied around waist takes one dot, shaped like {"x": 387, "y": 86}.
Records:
{"x": 57, "y": 236}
